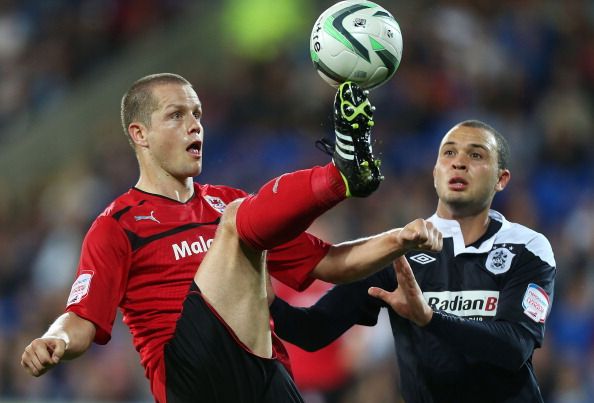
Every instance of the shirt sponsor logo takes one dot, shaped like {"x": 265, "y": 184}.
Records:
{"x": 499, "y": 260}
{"x": 80, "y": 287}
{"x": 535, "y": 303}
{"x": 216, "y": 203}
{"x": 477, "y": 303}
{"x": 422, "y": 258}
{"x": 185, "y": 248}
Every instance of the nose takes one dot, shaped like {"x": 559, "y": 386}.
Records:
{"x": 459, "y": 163}
{"x": 195, "y": 126}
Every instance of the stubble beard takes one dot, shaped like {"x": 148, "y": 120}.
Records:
{"x": 462, "y": 205}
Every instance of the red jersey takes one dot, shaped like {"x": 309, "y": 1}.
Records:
{"x": 141, "y": 255}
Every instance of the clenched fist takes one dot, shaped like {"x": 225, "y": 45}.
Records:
{"x": 42, "y": 354}
{"x": 420, "y": 234}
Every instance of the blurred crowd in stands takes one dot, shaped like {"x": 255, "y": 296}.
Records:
{"x": 526, "y": 68}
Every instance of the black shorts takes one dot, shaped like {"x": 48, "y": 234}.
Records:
{"x": 205, "y": 363}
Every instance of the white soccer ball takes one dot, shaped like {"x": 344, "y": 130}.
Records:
{"x": 356, "y": 41}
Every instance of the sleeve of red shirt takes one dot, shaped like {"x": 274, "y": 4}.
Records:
{"x": 292, "y": 262}
{"x": 101, "y": 276}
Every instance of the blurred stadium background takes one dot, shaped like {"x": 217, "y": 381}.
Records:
{"x": 525, "y": 67}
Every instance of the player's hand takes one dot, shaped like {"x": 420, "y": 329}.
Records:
{"x": 420, "y": 235}
{"x": 43, "y": 354}
{"x": 407, "y": 300}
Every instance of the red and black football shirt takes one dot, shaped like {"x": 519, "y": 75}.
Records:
{"x": 141, "y": 255}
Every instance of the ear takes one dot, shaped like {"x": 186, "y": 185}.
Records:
{"x": 434, "y": 184}
{"x": 504, "y": 178}
{"x": 138, "y": 133}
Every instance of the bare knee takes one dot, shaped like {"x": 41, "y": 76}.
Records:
{"x": 232, "y": 224}
{"x": 229, "y": 226}
{"x": 229, "y": 252}
{"x": 229, "y": 218}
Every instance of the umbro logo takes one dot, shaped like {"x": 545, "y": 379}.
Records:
{"x": 422, "y": 258}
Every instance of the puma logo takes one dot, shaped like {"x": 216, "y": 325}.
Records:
{"x": 147, "y": 217}
{"x": 276, "y": 183}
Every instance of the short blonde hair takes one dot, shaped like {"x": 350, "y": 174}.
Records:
{"x": 138, "y": 103}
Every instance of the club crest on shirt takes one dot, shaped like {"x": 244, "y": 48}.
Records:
{"x": 216, "y": 203}
{"x": 80, "y": 287}
{"x": 499, "y": 260}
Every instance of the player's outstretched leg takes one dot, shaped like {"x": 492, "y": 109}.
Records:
{"x": 287, "y": 205}
{"x": 353, "y": 154}
{"x": 232, "y": 276}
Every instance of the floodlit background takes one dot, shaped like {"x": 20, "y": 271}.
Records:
{"x": 525, "y": 67}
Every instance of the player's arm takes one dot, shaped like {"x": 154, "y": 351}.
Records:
{"x": 515, "y": 332}
{"x": 95, "y": 294}
{"x": 350, "y": 261}
{"x": 518, "y": 327}
{"x": 511, "y": 337}
{"x": 510, "y": 345}
{"x": 67, "y": 338}
{"x": 337, "y": 311}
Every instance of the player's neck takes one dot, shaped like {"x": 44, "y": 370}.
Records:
{"x": 473, "y": 226}
{"x": 180, "y": 190}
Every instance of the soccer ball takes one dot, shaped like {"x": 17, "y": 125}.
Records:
{"x": 356, "y": 41}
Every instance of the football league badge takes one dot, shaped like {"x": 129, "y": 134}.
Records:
{"x": 536, "y": 303}
{"x": 81, "y": 287}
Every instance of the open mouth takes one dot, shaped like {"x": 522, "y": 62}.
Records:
{"x": 195, "y": 148}
{"x": 458, "y": 180}
{"x": 458, "y": 183}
